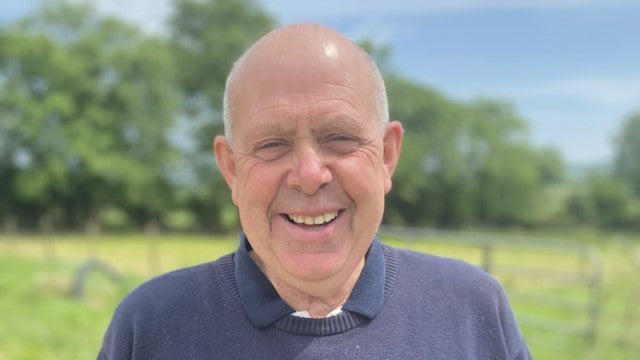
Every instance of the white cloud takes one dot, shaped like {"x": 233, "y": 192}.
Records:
{"x": 150, "y": 15}
{"x": 377, "y": 32}
{"x": 612, "y": 90}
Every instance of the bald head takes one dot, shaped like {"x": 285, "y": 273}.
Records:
{"x": 296, "y": 57}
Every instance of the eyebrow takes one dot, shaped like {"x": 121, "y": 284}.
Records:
{"x": 268, "y": 127}
{"x": 338, "y": 123}
{"x": 269, "y": 122}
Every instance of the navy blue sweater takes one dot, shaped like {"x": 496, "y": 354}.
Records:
{"x": 431, "y": 308}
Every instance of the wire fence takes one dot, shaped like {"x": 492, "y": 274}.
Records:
{"x": 555, "y": 285}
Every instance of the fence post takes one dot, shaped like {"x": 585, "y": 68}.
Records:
{"x": 152, "y": 229}
{"x": 631, "y": 307}
{"x": 595, "y": 282}
{"x": 487, "y": 257}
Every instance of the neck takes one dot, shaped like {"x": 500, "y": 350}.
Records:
{"x": 318, "y": 297}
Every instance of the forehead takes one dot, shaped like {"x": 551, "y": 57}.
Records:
{"x": 335, "y": 110}
{"x": 289, "y": 73}
{"x": 324, "y": 99}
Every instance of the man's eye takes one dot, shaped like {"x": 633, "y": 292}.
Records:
{"x": 341, "y": 138}
{"x": 342, "y": 144}
{"x": 271, "y": 150}
{"x": 270, "y": 145}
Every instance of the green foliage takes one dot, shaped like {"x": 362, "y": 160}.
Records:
{"x": 627, "y": 159}
{"x": 114, "y": 218}
{"x": 206, "y": 38}
{"x": 88, "y": 102}
{"x": 101, "y": 124}
{"x": 612, "y": 201}
{"x": 180, "y": 220}
{"x": 463, "y": 164}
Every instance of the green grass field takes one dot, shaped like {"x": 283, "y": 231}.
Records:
{"x": 41, "y": 320}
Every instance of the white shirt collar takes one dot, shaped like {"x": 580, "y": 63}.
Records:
{"x": 305, "y": 313}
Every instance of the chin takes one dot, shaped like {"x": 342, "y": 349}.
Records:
{"x": 314, "y": 266}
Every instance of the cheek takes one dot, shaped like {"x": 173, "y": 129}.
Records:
{"x": 363, "y": 178}
{"x": 257, "y": 187}
{"x": 370, "y": 163}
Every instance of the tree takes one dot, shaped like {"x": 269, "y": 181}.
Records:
{"x": 428, "y": 167}
{"x": 463, "y": 164}
{"x": 508, "y": 169}
{"x": 627, "y": 153}
{"x": 207, "y": 37}
{"x": 88, "y": 102}
{"x": 612, "y": 200}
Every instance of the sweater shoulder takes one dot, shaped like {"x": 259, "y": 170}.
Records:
{"x": 453, "y": 274}
{"x": 165, "y": 308}
{"x": 176, "y": 287}
{"x": 458, "y": 298}
{"x": 439, "y": 264}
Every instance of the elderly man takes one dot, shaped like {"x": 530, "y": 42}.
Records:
{"x": 308, "y": 154}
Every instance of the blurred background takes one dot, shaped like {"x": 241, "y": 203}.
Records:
{"x": 521, "y": 148}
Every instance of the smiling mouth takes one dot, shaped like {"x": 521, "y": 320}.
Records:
{"x": 318, "y": 220}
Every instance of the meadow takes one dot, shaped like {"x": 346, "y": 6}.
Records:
{"x": 556, "y": 287}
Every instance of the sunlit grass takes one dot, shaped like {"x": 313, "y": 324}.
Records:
{"x": 143, "y": 255}
{"x": 41, "y": 320}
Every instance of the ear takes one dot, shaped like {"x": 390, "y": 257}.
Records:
{"x": 226, "y": 163}
{"x": 392, "y": 142}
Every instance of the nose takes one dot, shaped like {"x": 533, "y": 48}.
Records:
{"x": 309, "y": 173}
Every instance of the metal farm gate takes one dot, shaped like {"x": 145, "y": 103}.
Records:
{"x": 553, "y": 286}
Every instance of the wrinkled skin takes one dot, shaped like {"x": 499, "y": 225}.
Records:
{"x": 307, "y": 145}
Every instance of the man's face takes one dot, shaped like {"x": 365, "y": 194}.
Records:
{"x": 308, "y": 170}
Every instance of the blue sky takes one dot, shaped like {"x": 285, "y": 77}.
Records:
{"x": 570, "y": 67}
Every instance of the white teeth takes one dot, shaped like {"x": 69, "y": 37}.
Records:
{"x": 309, "y": 220}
